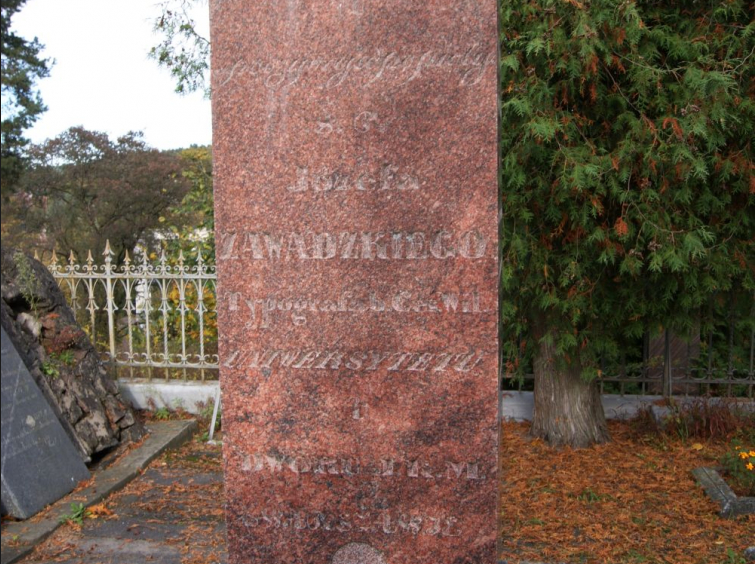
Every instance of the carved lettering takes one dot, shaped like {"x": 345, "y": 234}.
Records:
{"x": 261, "y": 312}
{"x": 388, "y": 178}
{"x": 322, "y": 360}
{"x": 359, "y": 411}
{"x": 362, "y": 122}
{"x": 382, "y": 522}
{"x": 365, "y": 70}
{"x": 438, "y": 245}
{"x": 348, "y": 467}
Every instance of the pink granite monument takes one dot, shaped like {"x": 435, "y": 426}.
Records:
{"x": 355, "y": 148}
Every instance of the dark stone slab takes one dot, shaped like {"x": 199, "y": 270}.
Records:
{"x": 744, "y": 506}
{"x": 720, "y": 492}
{"x": 39, "y": 463}
{"x": 355, "y": 162}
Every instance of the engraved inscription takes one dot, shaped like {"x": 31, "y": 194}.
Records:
{"x": 376, "y": 522}
{"x": 364, "y": 70}
{"x": 261, "y": 312}
{"x": 348, "y": 467}
{"x": 362, "y": 122}
{"x": 388, "y": 178}
{"x": 359, "y": 410}
{"x": 350, "y": 6}
{"x": 369, "y": 245}
{"x": 355, "y": 361}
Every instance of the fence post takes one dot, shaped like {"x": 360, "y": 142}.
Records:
{"x": 110, "y": 298}
{"x": 147, "y": 296}
{"x": 130, "y": 311}
{"x": 182, "y": 309}
{"x": 164, "y": 272}
{"x": 92, "y": 307}
{"x": 200, "y": 310}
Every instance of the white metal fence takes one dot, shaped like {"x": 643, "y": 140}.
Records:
{"x": 151, "y": 317}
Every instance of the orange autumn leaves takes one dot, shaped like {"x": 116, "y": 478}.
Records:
{"x": 633, "y": 500}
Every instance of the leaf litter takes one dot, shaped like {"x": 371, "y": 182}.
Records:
{"x": 633, "y": 500}
{"x": 629, "y": 501}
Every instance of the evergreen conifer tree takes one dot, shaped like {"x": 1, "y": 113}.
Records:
{"x": 21, "y": 67}
{"x": 627, "y": 182}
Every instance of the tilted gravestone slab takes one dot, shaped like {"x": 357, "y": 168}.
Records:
{"x": 39, "y": 463}
{"x": 355, "y": 162}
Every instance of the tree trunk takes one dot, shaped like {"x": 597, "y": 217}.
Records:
{"x": 568, "y": 410}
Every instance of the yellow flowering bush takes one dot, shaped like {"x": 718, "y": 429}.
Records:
{"x": 739, "y": 467}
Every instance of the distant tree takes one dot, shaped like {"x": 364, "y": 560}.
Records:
{"x": 21, "y": 67}
{"x": 81, "y": 188}
{"x": 182, "y": 50}
{"x": 628, "y": 185}
{"x": 193, "y": 224}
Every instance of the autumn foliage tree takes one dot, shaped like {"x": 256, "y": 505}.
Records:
{"x": 193, "y": 223}
{"x": 82, "y": 188}
{"x": 628, "y": 187}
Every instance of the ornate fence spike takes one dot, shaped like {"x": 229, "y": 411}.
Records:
{"x": 200, "y": 261}
{"x": 108, "y": 253}
{"x": 53, "y": 266}
{"x": 181, "y": 268}
{"x": 164, "y": 267}
{"x": 110, "y": 297}
{"x": 145, "y": 267}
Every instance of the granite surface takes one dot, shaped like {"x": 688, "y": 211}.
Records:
{"x": 354, "y": 149}
{"x": 39, "y": 462}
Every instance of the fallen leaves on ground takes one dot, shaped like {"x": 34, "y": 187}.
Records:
{"x": 178, "y": 500}
{"x": 629, "y": 501}
{"x": 100, "y": 510}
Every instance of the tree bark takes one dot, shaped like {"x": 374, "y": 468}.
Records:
{"x": 568, "y": 410}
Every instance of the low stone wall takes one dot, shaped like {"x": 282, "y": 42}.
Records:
{"x": 192, "y": 397}
{"x": 518, "y": 406}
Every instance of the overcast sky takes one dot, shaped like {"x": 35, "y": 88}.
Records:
{"x": 102, "y": 78}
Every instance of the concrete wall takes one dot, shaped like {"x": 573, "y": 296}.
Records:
{"x": 189, "y": 396}
{"x": 518, "y": 405}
